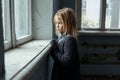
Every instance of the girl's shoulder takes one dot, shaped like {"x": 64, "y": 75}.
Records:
{"x": 69, "y": 38}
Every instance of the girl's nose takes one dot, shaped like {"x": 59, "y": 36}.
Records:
{"x": 57, "y": 25}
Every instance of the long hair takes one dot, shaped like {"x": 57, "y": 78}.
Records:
{"x": 69, "y": 21}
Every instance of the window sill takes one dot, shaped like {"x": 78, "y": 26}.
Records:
{"x": 17, "y": 59}
{"x": 99, "y": 32}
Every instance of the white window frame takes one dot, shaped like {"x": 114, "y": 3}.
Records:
{"x": 6, "y": 23}
{"x": 9, "y": 24}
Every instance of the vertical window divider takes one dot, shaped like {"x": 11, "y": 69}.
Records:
{"x": 12, "y": 21}
{"x": 102, "y": 14}
{"x": 30, "y": 18}
{"x": 6, "y": 24}
{"x": 78, "y": 10}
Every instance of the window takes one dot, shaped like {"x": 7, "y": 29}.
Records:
{"x": 113, "y": 14}
{"x": 99, "y": 14}
{"x": 16, "y": 22}
{"x": 90, "y": 14}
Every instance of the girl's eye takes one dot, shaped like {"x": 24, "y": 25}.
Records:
{"x": 59, "y": 23}
{"x": 56, "y": 23}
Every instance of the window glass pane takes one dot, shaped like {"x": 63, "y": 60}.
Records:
{"x": 21, "y": 18}
{"x": 90, "y": 13}
{"x": 113, "y": 14}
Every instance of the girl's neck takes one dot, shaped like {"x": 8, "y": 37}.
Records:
{"x": 63, "y": 34}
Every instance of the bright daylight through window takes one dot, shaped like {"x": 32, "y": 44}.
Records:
{"x": 91, "y": 14}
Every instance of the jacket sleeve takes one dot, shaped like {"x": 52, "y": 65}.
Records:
{"x": 69, "y": 49}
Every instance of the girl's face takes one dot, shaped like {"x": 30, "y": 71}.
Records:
{"x": 58, "y": 24}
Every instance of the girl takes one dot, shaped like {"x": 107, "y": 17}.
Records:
{"x": 64, "y": 51}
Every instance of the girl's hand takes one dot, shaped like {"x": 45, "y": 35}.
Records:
{"x": 54, "y": 46}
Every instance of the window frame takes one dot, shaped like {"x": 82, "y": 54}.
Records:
{"x": 10, "y": 27}
{"x": 6, "y": 24}
{"x": 102, "y": 20}
{"x": 25, "y": 38}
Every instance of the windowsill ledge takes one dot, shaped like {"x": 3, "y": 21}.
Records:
{"x": 99, "y": 32}
{"x": 18, "y": 58}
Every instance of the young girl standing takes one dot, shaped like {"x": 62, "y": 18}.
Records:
{"x": 64, "y": 51}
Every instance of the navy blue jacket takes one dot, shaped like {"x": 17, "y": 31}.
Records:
{"x": 66, "y": 59}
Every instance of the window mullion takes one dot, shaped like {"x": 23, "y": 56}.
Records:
{"x": 29, "y": 18}
{"x": 78, "y": 12}
{"x": 13, "y": 36}
{"x": 102, "y": 15}
{"x": 6, "y": 24}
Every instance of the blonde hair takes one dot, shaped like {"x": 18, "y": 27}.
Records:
{"x": 69, "y": 21}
